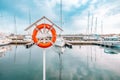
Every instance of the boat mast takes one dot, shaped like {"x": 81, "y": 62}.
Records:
{"x": 15, "y": 28}
{"x": 96, "y": 26}
{"x": 29, "y": 16}
{"x": 61, "y": 15}
{"x": 88, "y": 24}
{"x": 61, "y": 12}
{"x": 101, "y": 27}
{"x": 92, "y": 24}
{"x": 15, "y": 25}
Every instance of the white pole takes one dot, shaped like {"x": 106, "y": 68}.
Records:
{"x": 44, "y": 64}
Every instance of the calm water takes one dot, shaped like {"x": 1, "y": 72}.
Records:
{"x": 79, "y": 63}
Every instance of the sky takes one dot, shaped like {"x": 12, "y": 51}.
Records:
{"x": 104, "y": 15}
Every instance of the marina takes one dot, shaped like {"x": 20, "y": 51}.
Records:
{"x": 73, "y": 42}
{"x": 59, "y": 40}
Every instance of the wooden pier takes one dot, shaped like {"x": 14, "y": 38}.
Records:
{"x": 100, "y": 43}
{"x": 20, "y": 42}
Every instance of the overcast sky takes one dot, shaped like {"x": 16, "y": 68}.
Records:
{"x": 75, "y": 14}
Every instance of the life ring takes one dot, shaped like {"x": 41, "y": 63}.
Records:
{"x": 44, "y": 29}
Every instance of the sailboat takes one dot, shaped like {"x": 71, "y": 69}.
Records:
{"x": 60, "y": 42}
{"x": 59, "y": 45}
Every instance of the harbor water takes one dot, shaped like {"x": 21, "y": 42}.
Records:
{"x": 82, "y": 62}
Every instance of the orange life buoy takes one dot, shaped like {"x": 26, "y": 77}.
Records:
{"x": 44, "y": 29}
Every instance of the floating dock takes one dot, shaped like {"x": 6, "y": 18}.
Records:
{"x": 19, "y": 42}
{"x": 28, "y": 45}
{"x": 100, "y": 43}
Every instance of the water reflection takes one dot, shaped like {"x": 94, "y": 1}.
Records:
{"x": 60, "y": 66}
{"x": 29, "y": 47}
{"x": 60, "y": 51}
{"x": 91, "y": 55}
{"x": 15, "y": 53}
{"x": 112, "y": 50}
{"x": 30, "y": 55}
{"x": 4, "y": 49}
{"x": 98, "y": 67}
{"x": 79, "y": 63}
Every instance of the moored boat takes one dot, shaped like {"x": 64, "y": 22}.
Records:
{"x": 4, "y": 41}
{"x": 60, "y": 42}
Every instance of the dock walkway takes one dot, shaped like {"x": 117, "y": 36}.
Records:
{"x": 101, "y": 43}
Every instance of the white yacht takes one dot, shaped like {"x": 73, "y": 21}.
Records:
{"x": 59, "y": 49}
{"x": 28, "y": 38}
{"x": 60, "y": 42}
{"x": 4, "y": 41}
{"x": 59, "y": 45}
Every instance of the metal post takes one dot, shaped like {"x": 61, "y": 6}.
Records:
{"x": 44, "y": 64}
